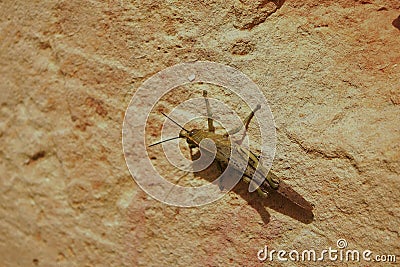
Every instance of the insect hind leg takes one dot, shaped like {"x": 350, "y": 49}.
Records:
{"x": 210, "y": 121}
{"x": 245, "y": 123}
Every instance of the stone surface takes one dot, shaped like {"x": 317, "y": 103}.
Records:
{"x": 330, "y": 71}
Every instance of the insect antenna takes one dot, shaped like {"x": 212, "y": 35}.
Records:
{"x": 173, "y": 138}
{"x": 174, "y": 122}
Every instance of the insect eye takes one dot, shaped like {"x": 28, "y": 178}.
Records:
{"x": 193, "y": 132}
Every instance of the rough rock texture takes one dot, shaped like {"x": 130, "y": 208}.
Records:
{"x": 331, "y": 73}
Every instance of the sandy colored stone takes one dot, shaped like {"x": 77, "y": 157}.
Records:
{"x": 330, "y": 71}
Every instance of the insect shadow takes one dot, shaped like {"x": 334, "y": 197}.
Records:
{"x": 274, "y": 200}
{"x": 396, "y": 22}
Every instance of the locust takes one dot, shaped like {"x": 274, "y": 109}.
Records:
{"x": 268, "y": 182}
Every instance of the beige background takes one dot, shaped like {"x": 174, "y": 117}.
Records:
{"x": 330, "y": 71}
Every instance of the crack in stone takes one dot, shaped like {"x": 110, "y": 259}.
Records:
{"x": 252, "y": 13}
{"x": 323, "y": 154}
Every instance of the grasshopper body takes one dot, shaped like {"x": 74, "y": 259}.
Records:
{"x": 269, "y": 182}
{"x": 223, "y": 153}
